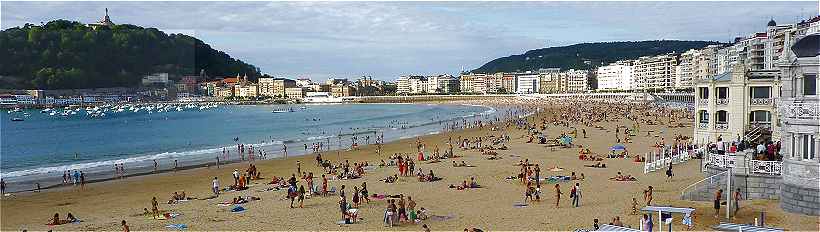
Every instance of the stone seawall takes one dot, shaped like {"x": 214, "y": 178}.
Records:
{"x": 752, "y": 186}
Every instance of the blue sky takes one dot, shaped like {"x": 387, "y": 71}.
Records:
{"x": 387, "y": 39}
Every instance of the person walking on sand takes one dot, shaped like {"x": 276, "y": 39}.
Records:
{"x": 647, "y": 195}
{"x": 575, "y": 194}
{"x": 557, "y": 195}
{"x": 215, "y": 186}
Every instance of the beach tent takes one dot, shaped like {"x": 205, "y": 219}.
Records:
{"x": 665, "y": 213}
{"x": 608, "y": 227}
{"x": 565, "y": 140}
{"x": 723, "y": 226}
{"x": 618, "y": 147}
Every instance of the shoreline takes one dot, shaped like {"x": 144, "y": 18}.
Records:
{"x": 200, "y": 161}
{"x": 103, "y": 205}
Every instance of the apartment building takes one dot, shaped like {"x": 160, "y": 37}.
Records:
{"x": 655, "y": 72}
{"x": 616, "y": 76}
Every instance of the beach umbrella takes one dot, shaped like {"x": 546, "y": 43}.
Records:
{"x": 618, "y": 147}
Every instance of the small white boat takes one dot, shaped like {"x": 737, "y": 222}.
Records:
{"x": 17, "y": 119}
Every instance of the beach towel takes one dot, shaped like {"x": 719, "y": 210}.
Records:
{"x": 177, "y": 226}
{"x": 238, "y": 209}
{"x": 520, "y": 205}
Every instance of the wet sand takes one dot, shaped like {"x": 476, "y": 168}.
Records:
{"x": 103, "y": 205}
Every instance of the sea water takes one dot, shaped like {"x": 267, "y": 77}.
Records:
{"x": 40, "y": 148}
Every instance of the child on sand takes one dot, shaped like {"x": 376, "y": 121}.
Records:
{"x": 634, "y": 206}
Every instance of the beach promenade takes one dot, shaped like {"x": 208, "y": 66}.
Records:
{"x": 102, "y": 206}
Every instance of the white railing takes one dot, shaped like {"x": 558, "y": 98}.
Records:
{"x": 703, "y": 102}
{"x": 766, "y": 167}
{"x": 801, "y": 110}
{"x": 761, "y": 101}
{"x": 703, "y": 125}
{"x": 723, "y": 161}
{"x": 721, "y": 126}
{"x": 661, "y": 158}
{"x": 722, "y": 101}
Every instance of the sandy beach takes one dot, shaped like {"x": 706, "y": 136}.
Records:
{"x": 102, "y": 206}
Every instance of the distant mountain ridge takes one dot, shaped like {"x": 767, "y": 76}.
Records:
{"x": 587, "y": 55}
{"x": 64, "y": 54}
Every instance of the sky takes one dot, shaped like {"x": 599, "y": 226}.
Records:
{"x": 384, "y": 40}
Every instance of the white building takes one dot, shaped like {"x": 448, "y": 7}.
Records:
{"x": 303, "y": 82}
{"x": 577, "y": 81}
{"x": 799, "y": 109}
{"x": 616, "y": 76}
{"x": 731, "y": 104}
{"x": 155, "y": 79}
{"x": 528, "y": 83}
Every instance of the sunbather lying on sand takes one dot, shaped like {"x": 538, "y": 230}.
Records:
{"x": 596, "y": 165}
{"x": 621, "y": 177}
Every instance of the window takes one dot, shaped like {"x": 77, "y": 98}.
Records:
{"x": 760, "y": 92}
{"x": 704, "y": 116}
{"x": 722, "y": 92}
{"x": 807, "y": 146}
{"x": 721, "y": 116}
{"x": 704, "y": 93}
{"x": 794, "y": 145}
{"x": 810, "y": 84}
{"x": 760, "y": 116}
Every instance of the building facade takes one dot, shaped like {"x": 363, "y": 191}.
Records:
{"x": 655, "y": 72}
{"x": 799, "y": 108}
{"x": 731, "y": 104}
{"x": 616, "y": 76}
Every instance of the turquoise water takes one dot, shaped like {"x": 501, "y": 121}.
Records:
{"x": 42, "y": 147}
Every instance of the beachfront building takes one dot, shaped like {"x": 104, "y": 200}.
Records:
{"x": 616, "y": 76}
{"x": 472, "y": 83}
{"x": 731, "y": 104}
{"x": 550, "y": 82}
{"x": 442, "y": 84}
{"x": 799, "y": 109}
{"x": 274, "y": 87}
{"x": 528, "y": 83}
{"x": 655, "y": 72}
{"x": 295, "y": 92}
{"x": 577, "y": 81}
{"x": 412, "y": 84}
{"x": 494, "y": 84}
{"x": 303, "y": 82}
{"x": 509, "y": 81}
{"x": 342, "y": 90}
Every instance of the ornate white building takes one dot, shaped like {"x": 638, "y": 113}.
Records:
{"x": 799, "y": 108}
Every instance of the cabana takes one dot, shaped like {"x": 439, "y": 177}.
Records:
{"x": 665, "y": 213}
{"x": 723, "y": 226}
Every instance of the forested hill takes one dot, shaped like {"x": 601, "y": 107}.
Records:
{"x": 586, "y": 55}
{"x": 64, "y": 54}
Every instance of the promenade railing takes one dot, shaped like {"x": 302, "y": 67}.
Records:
{"x": 663, "y": 157}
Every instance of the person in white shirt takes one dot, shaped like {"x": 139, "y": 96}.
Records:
{"x": 216, "y": 186}
{"x": 235, "y": 177}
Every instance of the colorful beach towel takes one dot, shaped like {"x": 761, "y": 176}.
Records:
{"x": 177, "y": 226}
{"x": 238, "y": 209}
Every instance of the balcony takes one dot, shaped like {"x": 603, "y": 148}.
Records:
{"x": 703, "y": 102}
{"x": 761, "y": 102}
{"x": 721, "y": 101}
{"x": 721, "y": 126}
{"x": 801, "y": 110}
{"x": 703, "y": 125}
